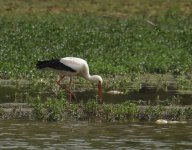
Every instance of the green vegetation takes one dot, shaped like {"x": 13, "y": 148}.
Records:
{"x": 145, "y": 43}
{"x": 132, "y": 45}
{"x": 117, "y": 38}
{"x": 120, "y": 8}
{"x": 59, "y": 110}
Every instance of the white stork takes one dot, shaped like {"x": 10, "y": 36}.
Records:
{"x": 71, "y": 66}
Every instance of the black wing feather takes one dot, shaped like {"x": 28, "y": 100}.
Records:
{"x": 54, "y": 64}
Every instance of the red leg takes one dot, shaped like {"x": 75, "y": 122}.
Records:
{"x": 71, "y": 94}
{"x": 61, "y": 78}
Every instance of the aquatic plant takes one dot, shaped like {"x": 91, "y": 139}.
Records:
{"x": 153, "y": 112}
{"x": 60, "y": 110}
{"x": 38, "y": 107}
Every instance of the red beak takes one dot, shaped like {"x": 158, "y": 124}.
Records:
{"x": 100, "y": 92}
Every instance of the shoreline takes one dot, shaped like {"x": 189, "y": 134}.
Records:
{"x": 9, "y": 111}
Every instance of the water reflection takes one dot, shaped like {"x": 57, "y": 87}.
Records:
{"x": 87, "y": 135}
{"x": 146, "y": 94}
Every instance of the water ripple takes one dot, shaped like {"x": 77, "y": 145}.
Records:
{"x": 84, "y": 135}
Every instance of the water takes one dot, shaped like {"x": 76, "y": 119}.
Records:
{"x": 72, "y": 135}
{"x": 143, "y": 96}
{"x": 21, "y": 134}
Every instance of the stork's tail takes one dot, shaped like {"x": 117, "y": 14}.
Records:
{"x": 42, "y": 64}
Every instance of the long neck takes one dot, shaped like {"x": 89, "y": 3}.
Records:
{"x": 90, "y": 78}
{"x": 87, "y": 76}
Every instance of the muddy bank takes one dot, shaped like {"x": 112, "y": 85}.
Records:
{"x": 144, "y": 113}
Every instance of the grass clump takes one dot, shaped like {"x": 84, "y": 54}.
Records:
{"x": 51, "y": 110}
{"x": 60, "y": 110}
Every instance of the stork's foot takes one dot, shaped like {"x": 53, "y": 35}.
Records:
{"x": 71, "y": 96}
{"x": 100, "y": 101}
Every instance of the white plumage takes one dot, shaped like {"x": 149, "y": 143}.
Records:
{"x": 71, "y": 66}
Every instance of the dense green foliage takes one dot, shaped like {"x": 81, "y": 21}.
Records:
{"x": 60, "y": 109}
{"x": 110, "y": 45}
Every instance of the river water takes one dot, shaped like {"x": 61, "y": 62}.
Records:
{"x": 17, "y": 134}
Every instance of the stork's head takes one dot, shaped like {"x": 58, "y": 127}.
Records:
{"x": 99, "y": 82}
{"x": 99, "y": 79}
